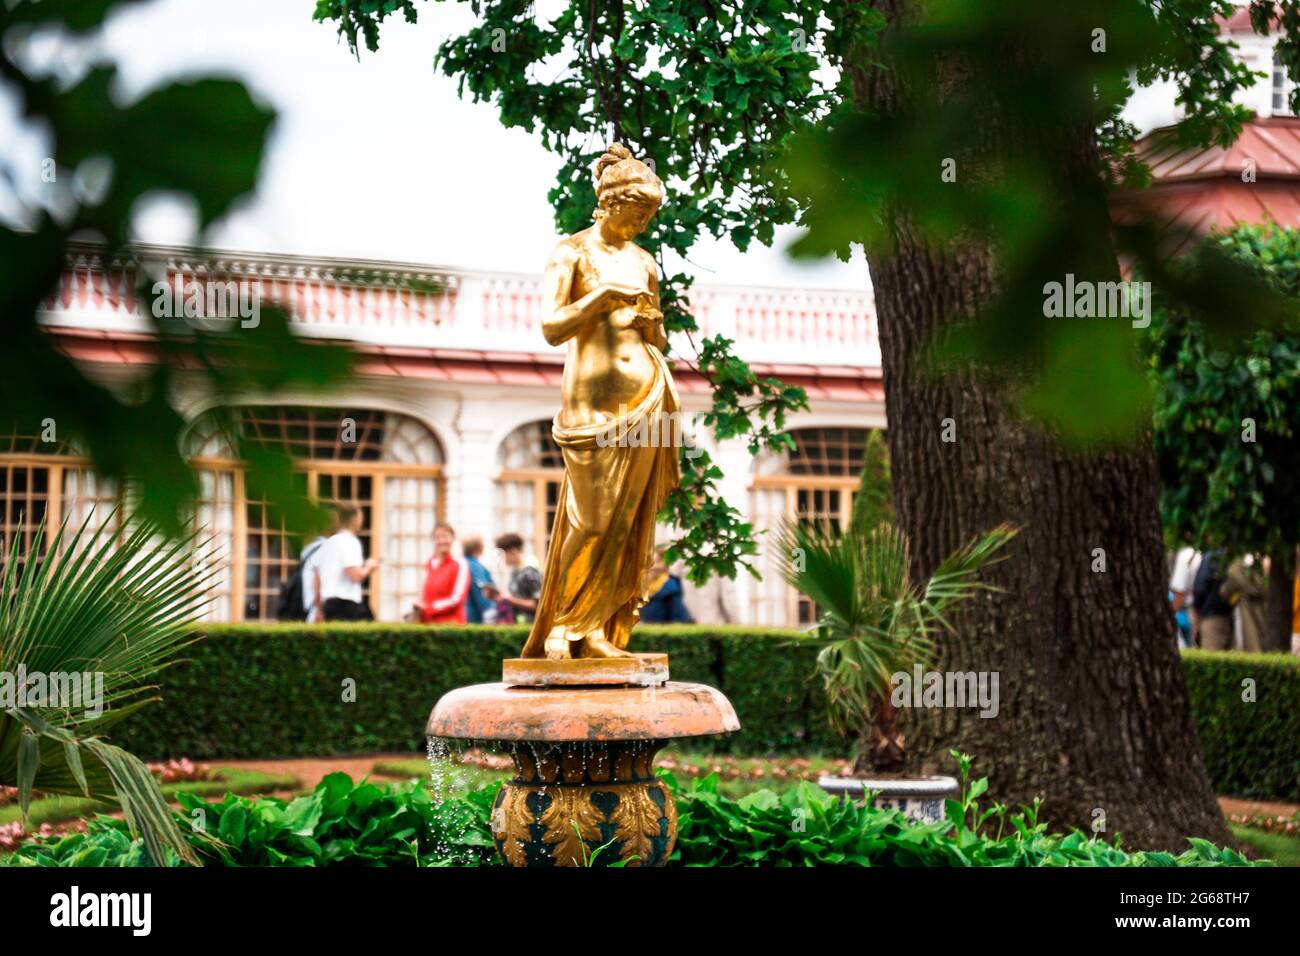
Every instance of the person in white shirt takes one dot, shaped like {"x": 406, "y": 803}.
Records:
{"x": 1186, "y": 563}
{"x": 311, "y": 579}
{"x": 310, "y": 558}
{"x": 342, "y": 570}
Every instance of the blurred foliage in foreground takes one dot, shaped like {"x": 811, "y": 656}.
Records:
{"x": 202, "y": 138}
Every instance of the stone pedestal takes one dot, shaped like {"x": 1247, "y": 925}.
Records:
{"x": 919, "y": 798}
{"x": 584, "y": 791}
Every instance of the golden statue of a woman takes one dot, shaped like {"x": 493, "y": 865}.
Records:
{"x": 601, "y": 295}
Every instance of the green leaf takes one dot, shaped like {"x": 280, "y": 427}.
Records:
{"x": 233, "y": 827}
{"x": 73, "y": 756}
{"x": 212, "y": 149}
{"x": 29, "y": 761}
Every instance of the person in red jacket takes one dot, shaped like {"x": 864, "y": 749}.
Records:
{"x": 446, "y": 586}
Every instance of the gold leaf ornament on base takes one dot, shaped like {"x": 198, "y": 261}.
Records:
{"x": 583, "y": 804}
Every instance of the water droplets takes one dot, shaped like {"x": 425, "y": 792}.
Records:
{"x": 453, "y": 820}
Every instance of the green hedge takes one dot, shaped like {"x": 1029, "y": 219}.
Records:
{"x": 1252, "y": 748}
{"x": 277, "y": 691}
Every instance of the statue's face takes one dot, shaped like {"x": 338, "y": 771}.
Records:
{"x": 629, "y": 217}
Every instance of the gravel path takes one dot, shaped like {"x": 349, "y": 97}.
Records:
{"x": 312, "y": 770}
{"x": 1232, "y": 807}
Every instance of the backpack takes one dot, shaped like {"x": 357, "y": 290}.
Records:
{"x": 288, "y": 603}
{"x": 1206, "y": 584}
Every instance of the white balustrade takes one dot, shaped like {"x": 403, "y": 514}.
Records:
{"x": 392, "y": 304}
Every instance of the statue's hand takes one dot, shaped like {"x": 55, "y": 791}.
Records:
{"x": 623, "y": 294}
{"x": 647, "y": 318}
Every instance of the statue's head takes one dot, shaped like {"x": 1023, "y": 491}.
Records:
{"x": 628, "y": 192}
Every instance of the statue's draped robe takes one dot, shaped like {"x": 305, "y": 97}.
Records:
{"x": 616, "y": 477}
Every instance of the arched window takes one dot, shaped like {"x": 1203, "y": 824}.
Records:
{"x": 815, "y": 482}
{"x": 388, "y": 464}
{"x": 47, "y": 480}
{"x": 528, "y": 485}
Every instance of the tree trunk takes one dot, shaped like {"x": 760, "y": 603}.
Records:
{"x": 882, "y": 750}
{"x": 1093, "y": 713}
{"x": 1281, "y": 594}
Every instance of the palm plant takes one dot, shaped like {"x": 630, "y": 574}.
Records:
{"x": 118, "y": 603}
{"x": 874, "y": 620}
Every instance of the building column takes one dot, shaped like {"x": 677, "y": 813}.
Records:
{"x": 737, "y": 464}
{"x": 470, "y": 490}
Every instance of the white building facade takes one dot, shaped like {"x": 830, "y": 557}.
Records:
{"x": 448, "y": 416}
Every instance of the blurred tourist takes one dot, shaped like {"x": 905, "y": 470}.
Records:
{"x": 1186, "y": 563}
{"x": 299, "y": 597}
{"x": 342, "y": 570}
{"x": 519, "y": 602}
{"x": 1246, "y": 588}
{"x": 1295, "y": 610}
{"x": 665, "y": 589}
{"x": 446, "y": 586}
{"x": 479, "y": 609}
{"x": 1213, "y": 613}
{"x": 309, "y": 570}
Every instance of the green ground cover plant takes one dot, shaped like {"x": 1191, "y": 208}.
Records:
{"x": 342, "y": 823}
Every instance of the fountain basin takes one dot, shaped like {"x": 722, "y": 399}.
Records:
{"x": 498, "y": 712}
{"x": 584, "y": 791}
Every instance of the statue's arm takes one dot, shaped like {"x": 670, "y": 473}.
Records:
{"x": 657, "y": 336}
{"x": 564, "y": 319}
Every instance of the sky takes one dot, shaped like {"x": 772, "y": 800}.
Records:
{"x": 379, "y": 158}
{"x": 376, "y": 158}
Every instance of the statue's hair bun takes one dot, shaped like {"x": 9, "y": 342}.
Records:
{"x": 620, "y": 175}
{"x": 614, "y": 154}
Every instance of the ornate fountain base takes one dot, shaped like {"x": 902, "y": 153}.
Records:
{"x": 584, "y": 791}
{"x": 585, "y": 804}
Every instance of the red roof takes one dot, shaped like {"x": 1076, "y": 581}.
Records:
{"x": 1273, "y": 143}
{"x": 1199, "y": 189}
{"x": 1238, "y": 21}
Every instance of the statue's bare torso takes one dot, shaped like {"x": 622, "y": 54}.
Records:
{"x": 608, "y": 368}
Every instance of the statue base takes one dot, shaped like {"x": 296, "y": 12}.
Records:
{"x": 584, "y": 792}
{"x": 585, "y": 804}
{"x": 640, "y": 670}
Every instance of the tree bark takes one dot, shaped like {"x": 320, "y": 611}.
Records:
{"x": 883, "y": 748}
{"x": 1281, "y": 594}
{"x": 1093, "y": 711}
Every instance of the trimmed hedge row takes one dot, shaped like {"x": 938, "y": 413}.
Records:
{"x": 1247, "y": 710}
{"x": 279, "y": 691}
